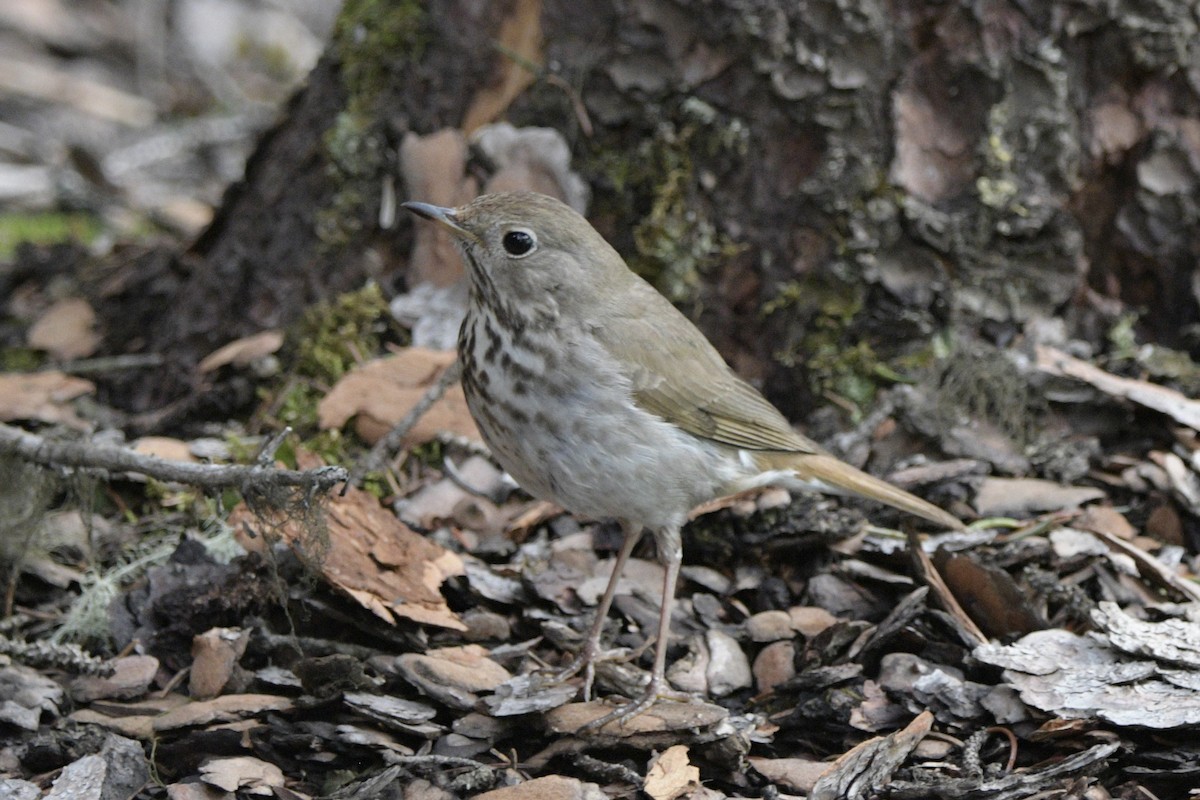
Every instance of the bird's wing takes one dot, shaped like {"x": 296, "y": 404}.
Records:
{"x": 679, "y": 376}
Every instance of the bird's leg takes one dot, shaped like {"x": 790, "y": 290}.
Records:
{"x": 585, "y": 658}
{"x": 670, "y": 553}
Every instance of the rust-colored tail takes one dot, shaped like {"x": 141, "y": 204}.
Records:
{"x": 824, "y": 471}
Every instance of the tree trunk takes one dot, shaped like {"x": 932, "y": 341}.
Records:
{"x": 824, "y": 186}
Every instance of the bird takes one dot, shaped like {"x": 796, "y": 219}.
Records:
{"x": 593, "y": 391}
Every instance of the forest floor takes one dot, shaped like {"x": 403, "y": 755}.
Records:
{"x": 174, "y": 627}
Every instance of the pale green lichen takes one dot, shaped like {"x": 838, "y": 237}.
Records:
{"x": 998, "y": 187}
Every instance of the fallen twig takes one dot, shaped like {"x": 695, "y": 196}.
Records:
{"x": 87, "y": 455}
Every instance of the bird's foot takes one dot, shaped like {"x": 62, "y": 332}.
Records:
{"x": 585, "y": 662}
{"x": 657, "y": 689}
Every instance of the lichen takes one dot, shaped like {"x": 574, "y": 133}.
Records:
{"x": 1151, "y": 361}
{"x": 998, "y": 187}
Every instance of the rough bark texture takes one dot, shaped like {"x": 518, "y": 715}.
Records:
{"x": 825, "y": 184}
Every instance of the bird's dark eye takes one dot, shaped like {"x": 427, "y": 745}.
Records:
{"x": 518, "y": 243}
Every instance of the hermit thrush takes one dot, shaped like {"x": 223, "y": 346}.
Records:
{"x": 593, "y": 391}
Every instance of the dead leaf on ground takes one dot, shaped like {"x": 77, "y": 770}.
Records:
{"x": 871, "y": 763}
{"x": 373, "y": 557}
{"x": 671, "y": 775}
{"x": 1128, "y": 673}
{"x": 245, "y": 773}
{"x": 243, "y": 352}
{"x": 659, "y": 718}
{"x": 67, "y": 330}
{"x": 532, "y": 158}
{"x": 1106, "y": 519}
{"x": 934, "y": 158}
{"x": 380, "y": 393}
{"x": 551, "y": 787}
{"x": 215, "y": 655}
{"x": 1114, "y": 130}
{"x": 42, "y": 396}
{"x": 1021, "y": 497}
{"x": 226, "y": 708}
{"x": 165, "y": 447}
{"x": 798, "y": 774}
{"x": 433, "y": 168}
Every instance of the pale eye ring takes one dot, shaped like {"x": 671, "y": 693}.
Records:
{"x": 519, "y": 242}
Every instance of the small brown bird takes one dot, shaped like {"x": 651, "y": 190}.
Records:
{"x": 593, "y": 391}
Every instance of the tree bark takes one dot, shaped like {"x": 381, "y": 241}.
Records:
{"x": 824, "y": 186}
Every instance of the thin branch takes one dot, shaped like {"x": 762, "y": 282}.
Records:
{"x": 87, "y": 455}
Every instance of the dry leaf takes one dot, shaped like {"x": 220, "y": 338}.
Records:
{"x": 519, "y": 43}
{"x": 534, "y": 159}
{"x": 671, "y": 775}
{"x": 42, "y": 396}
{"x": 373, "y": 557}
{"x": 244, "y": 351}
{"x": 215, "y": 654}
{"x": 550, "y": 787}
{"x": 379, "y": 393}
{"x": 165, "y": 448}
{"x": 244, "y": 773}
{"x": 1115, "y": 129}
{"x": 67, "y": 330}
{"x": 433, "y": 168}
{"x": 798, "y": 774}
{"x": 934, "y": 149}
{"x": 871, "y": 763}
{"x": 1017, "y": 497}
{"x": 226, "y": 708}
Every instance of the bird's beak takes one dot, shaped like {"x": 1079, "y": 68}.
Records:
{"x": 444, "y": 216}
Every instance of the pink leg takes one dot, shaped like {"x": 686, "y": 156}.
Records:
{"x": 670, "y": 552}
{"x": 591, "y": 645}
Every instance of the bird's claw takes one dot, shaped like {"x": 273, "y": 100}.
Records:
{"x": 585, "y": 662}
{"x": 656, "y": 690}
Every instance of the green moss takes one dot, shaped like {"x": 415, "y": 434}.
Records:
{"x": 980, "y": 381}
{"x": 374, "y": 39}
{"x": 328, "y": 340}
{"x": 357, "y": 151}
{"x": 21, "y": 359}
{"x": 677, "y": 240}
{"x": 335, "y": 335}
{"x": 45, "y": 228}
{"x": 837, "y": 362}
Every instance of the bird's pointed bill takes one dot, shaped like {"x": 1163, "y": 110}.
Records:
{"x": 441, "y": 215}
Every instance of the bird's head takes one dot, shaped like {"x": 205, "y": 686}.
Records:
{"x": 526, "y": 248}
